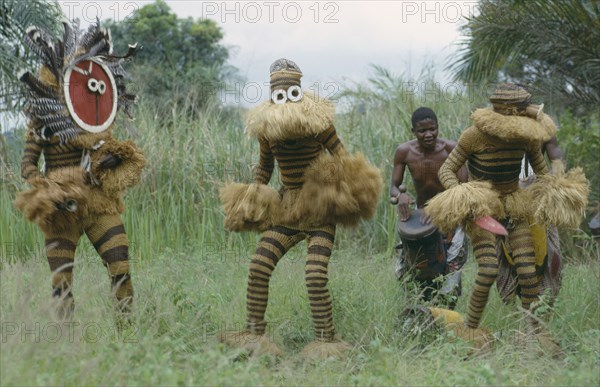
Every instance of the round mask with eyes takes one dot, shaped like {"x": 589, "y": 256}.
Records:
{"x": 91, "y": 95}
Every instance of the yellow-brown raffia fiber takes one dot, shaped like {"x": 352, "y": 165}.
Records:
{"x": 480, "y": 339}
{"x": 338, "y": 189}
{"x": 320, "y": 350}
{"x": 446, "y": 318}
{"x": 100, "y": 203}
{"x": 258, "y": 345}
{"x": 45, "y": 204}
{"x": 127, "y": 174}
{"x": 518, "y": 204}
{"x": 458, "y": 204}
{"x": 309, "y": 116}
{"x": 512, "y": 128}
{"x": 249, "y": 207}
{"x": 560, "y": 198}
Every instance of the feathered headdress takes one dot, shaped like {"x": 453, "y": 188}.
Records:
{"x": 80, "y": 86}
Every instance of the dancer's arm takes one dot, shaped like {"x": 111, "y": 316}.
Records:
{"x": 331, "y": 141}
{"x": 264, "y": 170}
{"x": 31, "y": 156}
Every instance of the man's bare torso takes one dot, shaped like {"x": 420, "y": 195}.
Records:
{"x": 424, "y": 167}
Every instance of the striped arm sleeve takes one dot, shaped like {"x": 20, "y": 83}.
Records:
{"x": 31, "y": 156}
{"x": 536, "y": 159}
{"x": 467, "y": 143}
{"x": 264, "y": 170}
{"x": 331, "y": 141}
{"x": 448, "y": 173}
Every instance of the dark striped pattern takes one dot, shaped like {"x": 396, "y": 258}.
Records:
{"x": 29, "y": 162}
{"x": 284, "y": 83}
{"x": 264, "y": 170}
{"x": 59, "y": 156}
{"x": 507, "y": 95}
{"x": 521, "y": 244}
{"x": 320, "y": 243}
{"x": 272, "y": 246}
{"x": 501, "y": 166}
{"x": 484, "y": 249}
{"x": 55, "y": 156}
{"x": 60, "y": 250}
{"x": 293, "y": 157}
{"x": 107, "y": 234}
{"x": 498, "y": 162}
{"x": 448, "y": 171}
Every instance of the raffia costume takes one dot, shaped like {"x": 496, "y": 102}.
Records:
{"x": 322, "y": 186}
{"x": 71, "y": 107}
{"x": 494, "y": 147}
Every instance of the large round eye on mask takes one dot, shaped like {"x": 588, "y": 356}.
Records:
{"x": 294, "y": 93}
{"x": 91, "y": 95}
{"x": 279, "y": 96}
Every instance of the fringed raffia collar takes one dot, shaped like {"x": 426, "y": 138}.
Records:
{"x": 511, "y": 128}
{"x": 311, "y": 116}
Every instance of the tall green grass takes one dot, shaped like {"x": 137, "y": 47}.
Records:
{"x": 176, "y": 204}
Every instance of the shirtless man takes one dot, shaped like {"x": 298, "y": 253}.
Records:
{"x": 424, "y": 156}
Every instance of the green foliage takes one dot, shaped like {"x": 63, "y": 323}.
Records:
{"x": 579, "y": 138}
{"x": 15, "y": 17}
{"x": 181, "y": 61}
{"x": 552, "y": 46}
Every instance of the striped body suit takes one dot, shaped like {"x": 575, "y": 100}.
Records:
{"x": 293, "y": 157}
{"x": 499, "y": 162}
{"x": 105, "y": 230}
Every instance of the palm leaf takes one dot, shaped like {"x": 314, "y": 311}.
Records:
{"x": 15, "y": 17}
{"x": 551, "y": 45}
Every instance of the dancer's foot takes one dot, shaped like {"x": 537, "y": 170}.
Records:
{"x": 257, "y": 345}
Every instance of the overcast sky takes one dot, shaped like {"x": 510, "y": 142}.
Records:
{"x": 331, "y": 41}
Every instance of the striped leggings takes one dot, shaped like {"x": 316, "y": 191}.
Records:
{"x": 273, "y": 244}
{"x": 107, "y": 234}
{"x": 484, "y": 248}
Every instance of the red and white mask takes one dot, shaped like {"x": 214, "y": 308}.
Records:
{"x": 91, "y": 95}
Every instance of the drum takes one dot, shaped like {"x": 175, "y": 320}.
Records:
{"x": 423, "y": 247}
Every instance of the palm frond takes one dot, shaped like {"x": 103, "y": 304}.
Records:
{"x": 15, "y": 17}
{"x": 551, "y": 45}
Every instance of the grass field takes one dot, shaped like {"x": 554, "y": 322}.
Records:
{"x": 190, "y": 277}
{"x": 184, "y": 299}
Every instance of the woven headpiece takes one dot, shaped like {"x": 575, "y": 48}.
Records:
{"x": 510, "y": 99}
{"x": 285, "y": 81}
{"x": 80, "y": 84}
